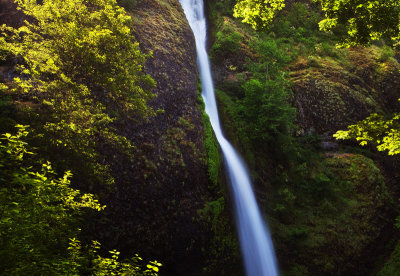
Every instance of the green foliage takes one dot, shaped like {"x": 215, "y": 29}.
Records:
{"x": 38, "y": 210}
{"x": 327, "y": 212}
{"x": 303, "y": 16}
{"x": 81, "y": 68}
{"x": 297, "y": 33}
{"x": 223, "y": 250}
{"x": 212, "y": 211}
{"x": 93, "y": 55}
{"x": 302, "y": 175}
{"x": 258, "y": 13}
{"x": 270, "y": 60}
{"x": 386, "y": 54}
{"x": 227, "y": 42}
{"x": 392, "y": 265}
{"x": 263, "y": 111}
{"x": 264, "y": 116}
{"x": 85, "y": 260}
{"x": 385, "y": 134}
{"x": 214, "y": 158}
{"x": 112, "y": 266}
{"x": 224, "y": 7}
{"x": 299, "y": 20}
{"x": 364, "y": 20}
{"x": 40, "y": 218}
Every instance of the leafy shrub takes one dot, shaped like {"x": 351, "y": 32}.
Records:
{"x": 39, "y": 210}
{"x": 302, "y": 16}
{"x": 225, "y": 7}
{"x": 299, "y": 21}
{"x": 386, "y": 54}
{"x": 264, "y": 116}
{"x": 81, "y": 67}
{"x": 271, "y": 60}
{"x": 264, "y": 112}
{"x": 258, "y": 13}
{"x": 298, "y": 30}
{"x": 227, "y": 43}
{"x": 40, "y": 220}
{"x": 377, "y": 130}
{"x": 327, "y": 49}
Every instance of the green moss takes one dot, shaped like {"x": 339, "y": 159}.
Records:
{"x": 392, "y": 265}
{"x": 386, "y": 53}
{"x": 214, "y": 159}
{"x": 175, "y": 140}
{"x": 212, "y": 211}
{"x": 227, "y": 43}
{"x": 336, "y": 211}
{"x": 222, "y": 252}
{"x": 325, "y": 211}
{"x": 223, "y": 249}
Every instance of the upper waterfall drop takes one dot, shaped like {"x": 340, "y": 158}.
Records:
{"x": 255, "y": 240}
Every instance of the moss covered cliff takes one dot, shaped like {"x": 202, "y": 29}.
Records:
{"x": 155, "y": 208}
{"x": 162, "y": 201}
{"x": 330, "y": 206}
{"x": 281, "y": 92}
{"x": 332, "y": 92}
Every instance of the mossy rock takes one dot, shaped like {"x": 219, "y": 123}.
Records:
{"x": 340, "y": 233}
{"x": 392, "y": 265}
{"x": 331, "y": 94}
{"x": 154, "y": 208}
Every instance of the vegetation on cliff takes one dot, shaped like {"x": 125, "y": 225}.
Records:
{"x": 75, "y": 73}
{"x": 354, "y": 23}
{"x": 78, "y": 73}
{"x": 69, "y": 77}
{"x": 377, "y": 130}
{"x": 40, "y": 220}
{"x": 303, "y": 178}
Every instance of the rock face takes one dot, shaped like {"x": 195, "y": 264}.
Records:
{"x": 10, "y": 15}
{"x": 345, "y": 229}
{"x": 154, "y": 209}
{"x": 330, "y": 95}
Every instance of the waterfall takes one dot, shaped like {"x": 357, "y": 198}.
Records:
{"x": 255, "y": 240}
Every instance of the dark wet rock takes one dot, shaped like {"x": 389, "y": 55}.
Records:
{"x": 329, "y": 146}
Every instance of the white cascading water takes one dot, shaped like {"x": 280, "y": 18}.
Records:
{"x": 255, "y": 241}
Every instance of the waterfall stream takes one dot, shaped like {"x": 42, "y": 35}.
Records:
{"x": 255, "y": 241}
